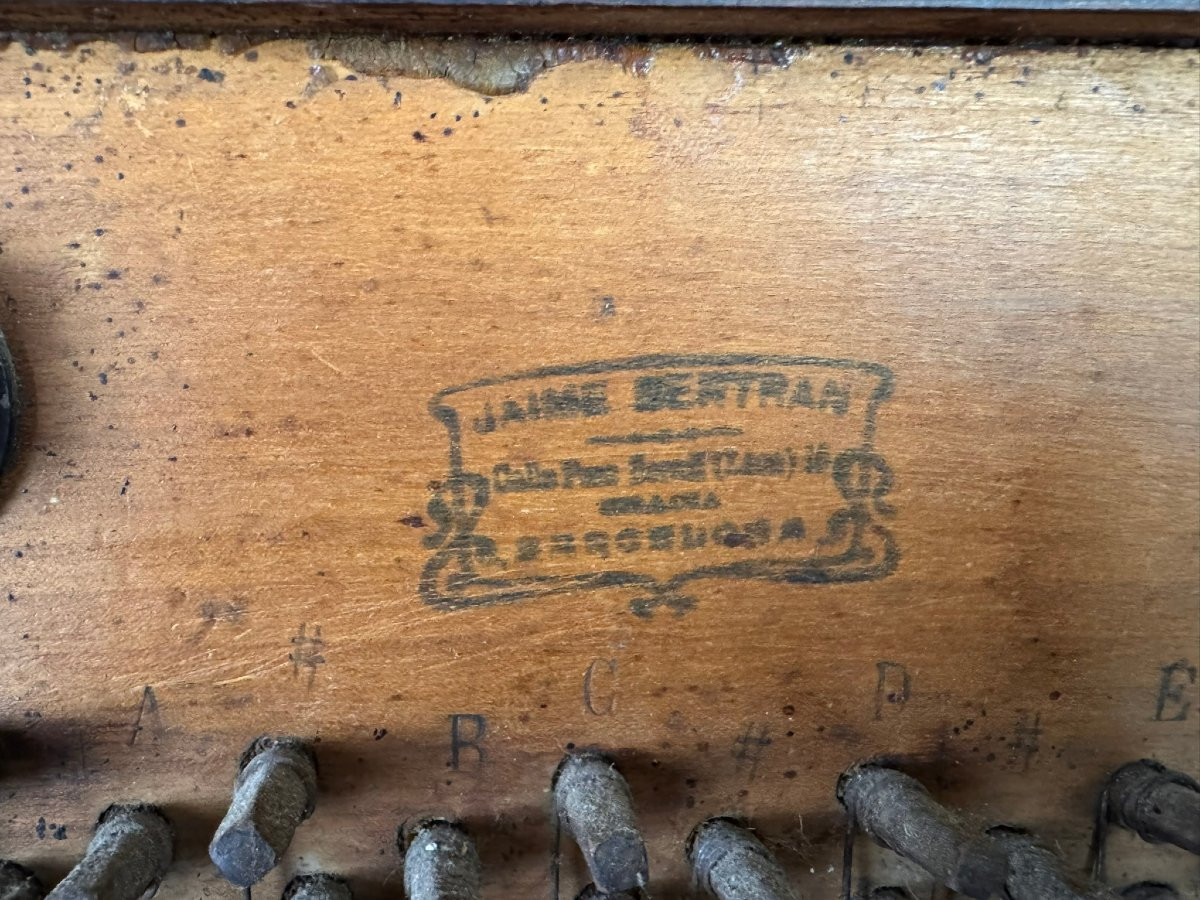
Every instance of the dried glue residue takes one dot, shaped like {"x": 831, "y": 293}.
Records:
{"x": 489, "y": 66}
{"x": 506, "y": 66}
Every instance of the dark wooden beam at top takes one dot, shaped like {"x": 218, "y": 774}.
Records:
{"x": 1141, "y": 21}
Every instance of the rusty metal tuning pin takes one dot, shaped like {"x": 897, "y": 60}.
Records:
{"x": 441, "y": 863}
{"x": 128, "y": 856}
{"x": 1159, "y": 804}
{"x": 18, "y": 883}
{"x": 897, "y": 812}
{"x": 595, "y": 807}
{"x": 276, "y": 790}
{"x": 317, "y": 887}
{"x": 8, "y": 406}
{"x": 1034, "y": 872}
{"x": 732, "y": 864}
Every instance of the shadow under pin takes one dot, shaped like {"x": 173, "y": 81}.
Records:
{"x": 591, "y": 893}
{"x": 594, "y": 805}
{"x": 126, "y": 858}
{"x": 276, "y": 790}
{"x": 1150, "y": 890}
{"x": 18, "y": 883}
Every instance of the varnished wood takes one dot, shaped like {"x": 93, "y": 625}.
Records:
{"x": 239, "y": 287}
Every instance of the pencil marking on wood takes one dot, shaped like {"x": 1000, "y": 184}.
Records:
{"x": 469, "y": 737}
{"x": 1026, "y": 739}
{"x": 600, "y": 703}
{"x": 147, "y": 711}
{"x": 308, "y": 652}
{"x": 749, "y": 748}
{"x": 893, "y": 686}
{"x": 1173, "y": 704}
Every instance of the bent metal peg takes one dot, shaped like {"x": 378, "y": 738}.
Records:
{"x": 732, "y": 864}
{"x": 128, "y": 856}
{"x": 18, "y": 883}
{"x": 441, "y": 863}
{"x": 595, "y": 807}
{"x": 276, "y": 790}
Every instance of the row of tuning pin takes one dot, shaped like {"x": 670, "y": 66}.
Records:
{"x": 276, "y": 790}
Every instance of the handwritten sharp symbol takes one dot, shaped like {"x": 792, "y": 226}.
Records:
{"x": 750, "y": 747}
{"x": 1026, "y": 739}
{"x": 308, "y": 652}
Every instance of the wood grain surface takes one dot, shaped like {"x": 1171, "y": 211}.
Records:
{"x": 937, "y": 307}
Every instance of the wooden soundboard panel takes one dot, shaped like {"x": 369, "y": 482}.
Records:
{"x": 743, "y": 413}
